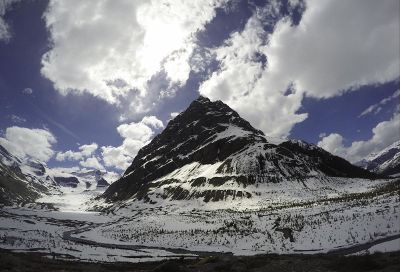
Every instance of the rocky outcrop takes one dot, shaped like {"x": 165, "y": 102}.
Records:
{"x": 67, "y": 181}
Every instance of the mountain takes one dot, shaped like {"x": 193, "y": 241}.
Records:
{"x": 209, "y": 152}
{"x": 328, "y": 163}
{"x": 23, "y": 180}
{"x": 67, "y": 181}
{"x": 102, "y": 183}
{"x": 386, "y": 162}
{"x": 90, "y": 179}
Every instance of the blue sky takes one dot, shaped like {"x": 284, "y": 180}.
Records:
{"x": 90, "y": 82}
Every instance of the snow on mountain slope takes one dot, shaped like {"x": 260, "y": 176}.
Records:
{"x": 386, "y": 162}
{"x": 77, "y": 187}
{"x": 209, "y": 152}
{"x": 23, "y": 180}
{"x": 88, "y": 179}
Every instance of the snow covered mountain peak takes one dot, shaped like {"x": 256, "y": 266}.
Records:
{"x": 209, "y": 152}
{"x": 23, "y": 180}
{"x": 204, "y": 112}
{"x": 386, "y": 162}
{"x": 198, "y": 133}
{"x": 388, "y": 151}
{"x": 305, "y": 145}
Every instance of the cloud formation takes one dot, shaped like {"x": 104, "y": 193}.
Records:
{"x": 384, "y": 134}
{"x": 5, "y": 33}
{"x": 111, "y": 48}
{"x": 16, "y": 119}
{"x": 27, "y": 91}
{"x": 245, "y": 85}
{"x": 136, "y": 135}
{"x": 25, "y": 142}
{"x": 92, "y": 162}
{"x": 338, "y": 46}
{"x": 376, "y": 108}
{"x": 173, "y": 114}
{"x": 85, "y": 151}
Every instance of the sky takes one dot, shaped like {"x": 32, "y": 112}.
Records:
{"x": 85, "y": 84}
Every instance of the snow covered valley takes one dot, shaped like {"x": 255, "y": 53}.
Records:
{"x": 52, "y": 227}
{"x": 356, "y": 222}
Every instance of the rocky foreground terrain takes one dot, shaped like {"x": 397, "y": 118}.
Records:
{"x": 388, "y": 262}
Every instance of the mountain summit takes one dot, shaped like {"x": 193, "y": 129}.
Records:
{"x": 386, "y": 162}
{"x": 209, "y": 152}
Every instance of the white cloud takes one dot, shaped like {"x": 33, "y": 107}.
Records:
{"x": 333, "y": 143}
{"x": 108, "y": 48}
{"x": 111, "y": 176}
{"x": 174, "y": 114}
{"x": 88, "y": 150}
{"x": 243, "y": 83}
{"x": 337, "y": 46}
{"x": 136, "y": 135}
{"x": 116, "y": 157}
{"x": 68, "y": 155}
{"x": 121, "y": 156}
{"x": 376, "y": 108}
{"x": 16, "y": 119}
{"x": 138, "y": 131}
{"x": 27, "y": 91}
{"x": 384, "y": 134}
{"x": 85, "y": 151}
{"x": 152, "y": 121}
{"x": 23, "y": 142}
{"x": 92, "y": 162}
{"x": 62, "y": 171}
{"x": 5, "y": 34}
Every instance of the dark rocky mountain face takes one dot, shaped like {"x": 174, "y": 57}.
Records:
{"x": 191, "y": 136}
{"x": 67, "y": 181}
{"x": 208, "y": 146}
{"x": 329, "y": 164}
{"x": 96, "y": 174}
{"x": 39, "y": 168}
{"x": 91, "y": 178}
{"x": 101, "y": 183}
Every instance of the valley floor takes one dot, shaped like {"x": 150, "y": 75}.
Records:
{"x": 319, "y": 231}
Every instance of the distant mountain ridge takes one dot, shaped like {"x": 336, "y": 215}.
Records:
{"x": 385, "y": 162}
{"x": 209, "y": 152}
{"x": 22, "y": 181}
{"x": 90, "y": 179}
{"x": 25, "y": 180}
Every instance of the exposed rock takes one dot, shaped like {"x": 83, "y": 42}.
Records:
{"x": 67, "y": 181}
